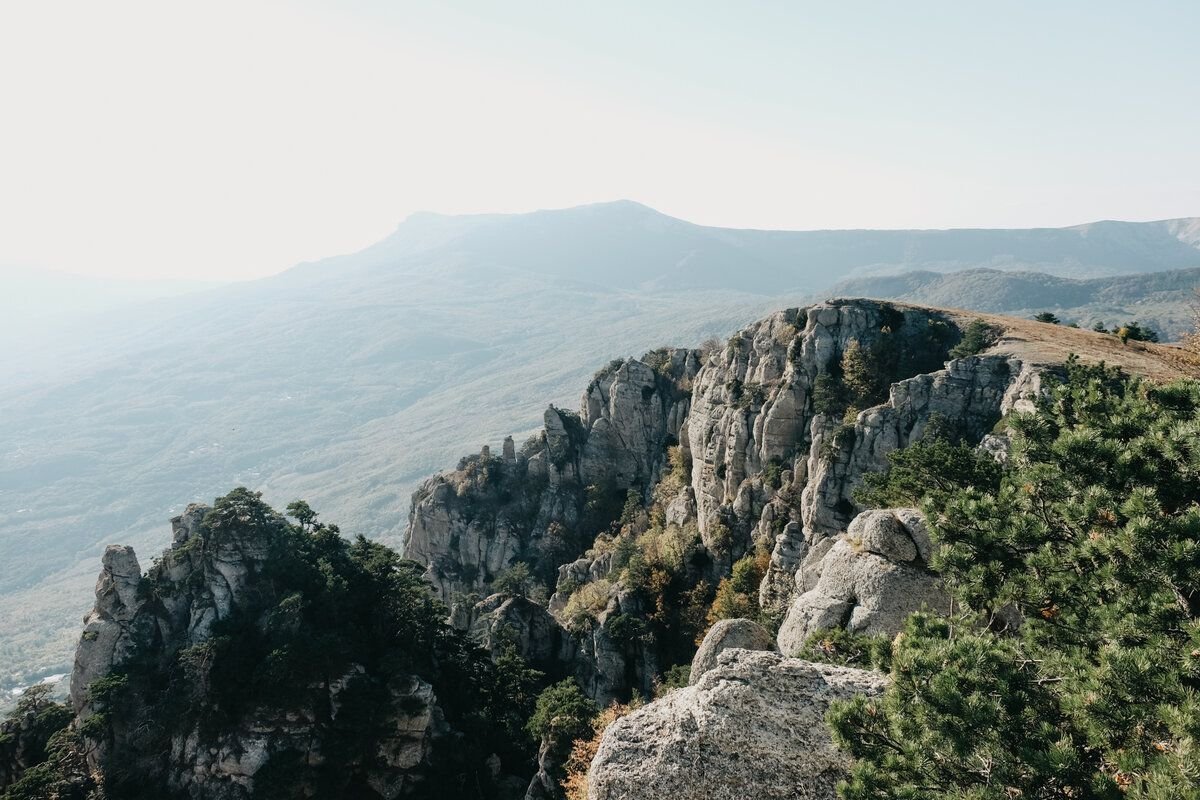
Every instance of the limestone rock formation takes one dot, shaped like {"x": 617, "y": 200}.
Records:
{"x": 868, "y": 581}
{"x": 214, "y": 573}
{"x": 752, "y": 727}
{"x": 110, "y": 630}
{"x": 471, "y": 524}
{"x": 728, "y": 634}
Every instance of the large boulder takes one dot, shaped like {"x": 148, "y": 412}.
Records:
{"x": 729, "y": 634}
{"x": 868, "y": 581}
{"x": 752, "y": 727}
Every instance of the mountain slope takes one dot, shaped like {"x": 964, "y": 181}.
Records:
{"x": 346, "y": 380}
{"x": 258, "y": 657}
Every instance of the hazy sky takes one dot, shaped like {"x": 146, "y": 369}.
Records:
{"x": 233, "y": 139}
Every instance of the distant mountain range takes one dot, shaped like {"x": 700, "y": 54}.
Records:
{"x": 345, "y": 381}
{"x": 1162, "y": 300}
{"x": 627, "y": 245}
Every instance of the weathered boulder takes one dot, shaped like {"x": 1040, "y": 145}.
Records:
{"x": 868, "y": 581}
{"x": 728, "y": 634}
{"x": 501, "y": 620}
{"x": 752, "y": 727}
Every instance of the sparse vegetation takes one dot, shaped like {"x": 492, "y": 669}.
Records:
{"x": 584, "y": 749}
{"x": 978, "y": 336}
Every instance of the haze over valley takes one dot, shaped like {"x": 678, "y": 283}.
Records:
{"x": 346, "y": 381}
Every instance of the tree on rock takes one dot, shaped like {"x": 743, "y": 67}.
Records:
{"x": 1074, "y": 670}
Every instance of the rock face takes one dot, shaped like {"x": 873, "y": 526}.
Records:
{"x": 868, "y": 581}
{"x": 110, "y": 631}
{"x": 752, "y": 727}
{"x": 761, "y": 408}
{"x": 211, "y": 575}
{"x": 728, "y": 634}
{"x": 470, "y": 525}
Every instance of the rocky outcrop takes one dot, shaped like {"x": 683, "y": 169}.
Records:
{"x": 113, "y": 628}
{"x": 755, "y": 402}
{"x": 868, "y": 581}
{"x": 728, "y": 634}
{"x": 471, "y": 524}
{"x": 216, "y": 573}
{"x": 970, "y": 395}
{"x": 501, "y": 620}
{"x": 752, "y": 727}
{"x": 26, "y": 731}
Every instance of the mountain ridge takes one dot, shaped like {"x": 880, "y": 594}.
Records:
{"x": 347, "y": 380}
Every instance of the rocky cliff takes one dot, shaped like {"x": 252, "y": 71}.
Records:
{"x": 257, "y": 657}
{"x": 261, "y": 657}
{"x": 542, "y": 504}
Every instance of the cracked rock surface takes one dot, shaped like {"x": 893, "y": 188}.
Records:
{"x": 752, "y": 727}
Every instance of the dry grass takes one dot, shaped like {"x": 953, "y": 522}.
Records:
{"x": 1043, "y": 343}
{"x": 1046, "y": 344}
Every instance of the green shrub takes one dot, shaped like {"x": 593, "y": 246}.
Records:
{"x": 828, "y": 396}
{"x": 978, "y": 336}
{"x": 839, "y": 646}
{"x": 562, "y": 712}
{"x": 517, "y": 580}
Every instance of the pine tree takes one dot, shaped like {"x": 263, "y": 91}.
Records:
{"x": 1074, "y": 670}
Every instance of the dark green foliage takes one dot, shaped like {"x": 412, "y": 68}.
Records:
{"x": 861, "y": 375}
{"x": 747, "y": 396}
{"x": 302, "y": 512}
{"x": 840, "y": 646}
{"x": 1092, "y": 537}
{"x": 838, "y": 440}
{"x": 632, "y": 507}
{"x": 516, "y": 580}
{"x": 828, "y": 396}
{"x": 1099, "y": 328}
{"x": 510, "y": 695}
{"x": 29, "y": 729}
{"x": 602, "y": 507}
{"x": 978, "y": 336}
{"x": 562, "y": 452}
{"x": 939, "y": 463}
{"x": 675, "y": 678}
{"x": 322, "y": 604}
{"x": 1047, "y": 317}
{"x": 560, "y": 545}
{"x": 1132, "y": 331}
{"x": 563, "y": 712}
{"x": 63, "y": 775}
{"x": 864, "y": 375}
{"x": 737, "y": 595}
{"x": 967, "y": 716}
{"x": 772, "y": 473}
{"x": 626, "y": 629}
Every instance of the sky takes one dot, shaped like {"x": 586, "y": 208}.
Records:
{"x": 231, "y": 140}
